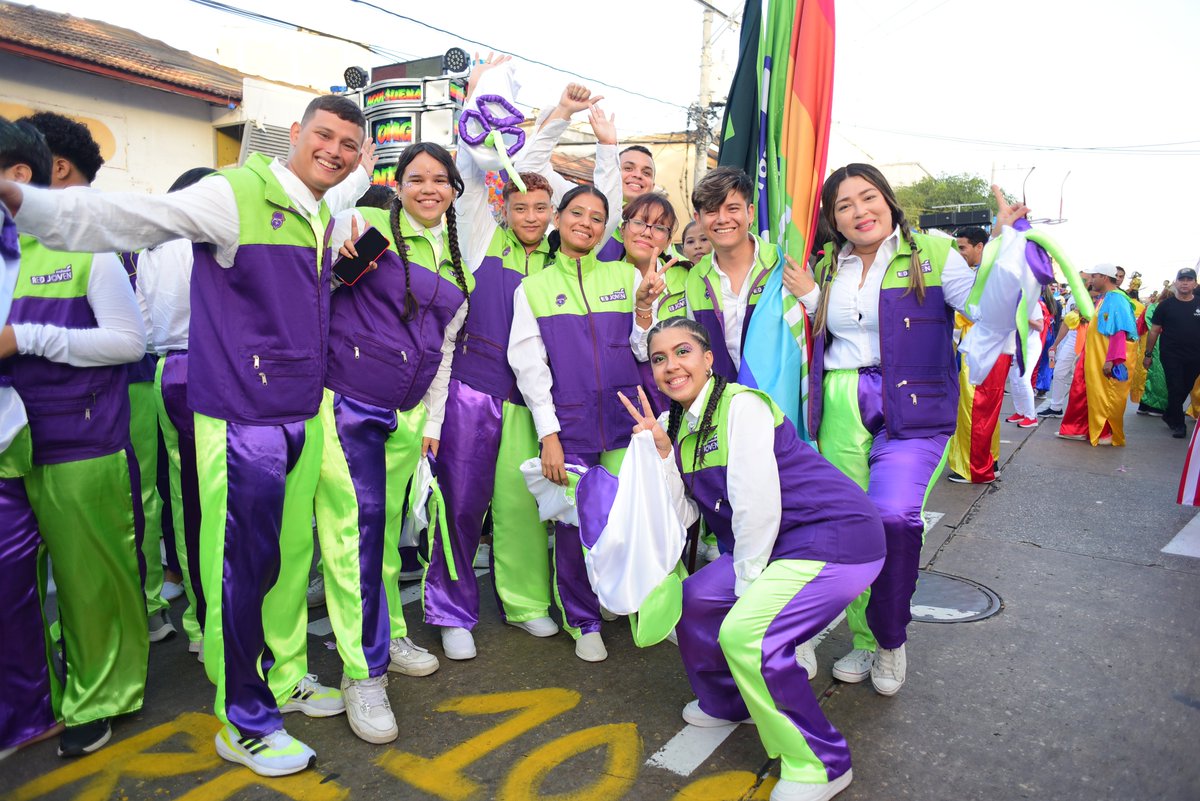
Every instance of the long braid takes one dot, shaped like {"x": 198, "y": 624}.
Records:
{"x": 410, "y": 302}
{"x": 916, "y": 277}
{"x": 674, "y": 421}
{"x": 831, "y": 251}
{"x": 707, "y": 427}
{"x": 456, "y": 263}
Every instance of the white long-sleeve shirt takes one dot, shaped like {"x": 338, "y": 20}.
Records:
{"x": 852, "y": 316}
{"x": 92, "y": 221}
{"x": 435, "y": 397}
{"x": 531, "y": 365}
{"x": 119, "y": 336}
{"x": 12, "y": 411}
{"x": 752, "y": 482}
{"x": 164, "y": 290}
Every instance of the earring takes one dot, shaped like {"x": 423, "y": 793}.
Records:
{"x": 709, "y": 373}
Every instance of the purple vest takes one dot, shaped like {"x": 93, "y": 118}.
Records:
{"x": 374, "y": 355}
{"x": 825, "y": 515}
{"x": 75, "y": 413}
{"x": 258, "y": 333}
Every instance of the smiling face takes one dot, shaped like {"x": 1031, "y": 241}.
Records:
{"x": 425, "y": 190}
{"x": 581, "y": 224}
{"x": 653, "y": 238}
{"x": 637, "y": 174}
{"x": 728, "y": 224}
{"x": 528, "y": 215}
{"x": 324, "y": 150}
{"x": 681, "y": 364}
{"x": 695, "y": 244}
{"x": 861, "y": 214}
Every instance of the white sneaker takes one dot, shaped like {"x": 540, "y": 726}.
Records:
{"x": 197, "y": 648}
{"x": 854, "y": 666}
{"x": 274, "y": 754}
{"x": 368, "y": 710}
{"x": 887, "y": 671}
{"x": 458, "y": 643}
{"x": 806, "y": 657}
{"x": 801, "y": 791}
{"x": 673, "y": 637}
{"x": 314, "y": 699}
{"x": 410, "y": 659}
{"x": 607, "y": 615}
{"x": 590, "y": 648}
{"x": 412, "y": 575}
{"x": 171, "y": 590}
{"x": 316, "y": 591}
{"x": 159, "y": 626}
{"x": 693, "y": 714}
{"x": 483, "y": 557}
{"x": 538, "y": 627}
{"x": 711, "y": 553}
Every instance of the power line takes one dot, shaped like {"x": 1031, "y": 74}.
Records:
{"x": 1150, "y": 149}
{"x": 494, "y": 48}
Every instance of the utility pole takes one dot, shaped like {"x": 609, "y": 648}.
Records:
{"x": 702, "y": 129}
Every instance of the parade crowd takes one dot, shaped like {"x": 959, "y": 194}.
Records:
{"x": 202, "y": 356}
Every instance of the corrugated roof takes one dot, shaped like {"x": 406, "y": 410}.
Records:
{"x": 104, "y": 49}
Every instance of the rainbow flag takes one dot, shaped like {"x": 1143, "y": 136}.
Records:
{"x": 777, "y": 128}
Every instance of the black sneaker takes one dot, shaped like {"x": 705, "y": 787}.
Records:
{"x": 1179, "y": 432}
{"x": 84, "y": 739}
{"x": 1050, "y": 411}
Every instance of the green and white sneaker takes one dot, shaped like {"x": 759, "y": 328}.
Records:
{"x": 274, "y": 754}
{"x": 314, "y": 699}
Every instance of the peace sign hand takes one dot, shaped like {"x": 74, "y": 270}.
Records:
{"x": 347, "y": 250}
{"x": 646, "y": 422}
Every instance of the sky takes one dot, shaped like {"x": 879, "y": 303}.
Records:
{"x": 1090, "y": 105}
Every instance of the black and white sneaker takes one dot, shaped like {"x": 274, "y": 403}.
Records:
{"x": 84, "y": 738}
{"x": 160, "y": 626}
{"x": 1050, "y": 411}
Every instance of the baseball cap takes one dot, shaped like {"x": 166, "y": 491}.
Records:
{"x": 1186, "y": 272}
{"x": 1105, "y": 269}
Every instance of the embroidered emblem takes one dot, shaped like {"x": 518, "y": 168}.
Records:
{"x": 902, "y": 274}
{"x": 57, "y": 277}
{"x": 758, "y": 290}
{"x": 277, "y": 220}
{"x": 926, "y": 267}
{"x": 618, "y": 295}
{"x": 506, "y": 251}
{"x": 677, "y": 305}
{"x": 561, "y": 300}
{"x": 710, "y": 446}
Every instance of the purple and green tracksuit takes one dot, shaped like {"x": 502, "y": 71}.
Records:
{"x": 379, "y": 368}
{"x": 672, "y": 303}
{"x": 702, "y": 291}
{"x": 488, "y": 432}
{"x": 584, "y": 311}
{"x": 256, "y": 368}
{"x": 143, "y": 434}
{"x": 740, "y": 653}
{"x": 887, "y": 427}
{"x": 81, "y": 489}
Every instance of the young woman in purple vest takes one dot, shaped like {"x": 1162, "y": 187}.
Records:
{"x": 571, "y": 323}
{"x": 884, "y": 388}
{"x": 798, "y": 539}
{"x": 391, "y": 342}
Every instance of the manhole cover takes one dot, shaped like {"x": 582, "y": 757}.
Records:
{"x": 949, "y": 599}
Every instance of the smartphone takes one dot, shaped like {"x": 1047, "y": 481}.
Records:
{"x": 370, "y": 246}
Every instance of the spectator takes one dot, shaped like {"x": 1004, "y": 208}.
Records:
{"x": 1177, "y": 321}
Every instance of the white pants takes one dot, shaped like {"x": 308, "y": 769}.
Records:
{"x": 1019, "y": 384}
{"x": 1064, "y": 372}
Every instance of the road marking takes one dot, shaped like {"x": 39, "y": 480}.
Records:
{"x": 323, "y": 627}
{"x": 1187, "y": 541}
{"x": 932, "y": 518}
{"x": 939, "y": 612}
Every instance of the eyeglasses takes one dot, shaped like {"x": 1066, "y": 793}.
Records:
{"x": 637, "y": 226}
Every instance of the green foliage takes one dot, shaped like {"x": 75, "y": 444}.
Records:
{"x": 929, "y": 193}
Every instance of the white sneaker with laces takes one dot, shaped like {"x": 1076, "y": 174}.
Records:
{"x": 806, "y": 657}
{"x": 800, "y": 791}
{"x": 693, "y": 714}
{"x": 538, "y": 627}
{"x": 314, "y": 699}
{"x": 887, "y": 671}
{"x": 410, "y": 659}
{"x": 590, "y": 648}
{"x": 854, "y": 666}
{"x": 274, "y": 754}
{"x": 368, "y": 710}
{"x": 316, "y": 591}
{"x": 458, "y": 643}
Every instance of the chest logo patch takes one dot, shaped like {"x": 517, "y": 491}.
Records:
{"x": 710, "y": 446}
{"x": 561, "y": 300}
{"x": 57, "y": 277}
{"x": 277, "y": 220}
{"x": 612, "y": 296}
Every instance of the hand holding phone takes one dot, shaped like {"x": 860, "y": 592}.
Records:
{"x": 359, "y": 254}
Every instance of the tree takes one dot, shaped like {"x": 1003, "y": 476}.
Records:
{"x": 929, "y": 194}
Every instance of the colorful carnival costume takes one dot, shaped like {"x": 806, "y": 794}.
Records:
{"x": 381, "y": 368}
{"x": 77, "y": 324}
{"x": 799, "y": 542}
{"x": 256, "y": 363}
{"x": 1096, "y": 406}
{"x": 1154, "y": 396}
{"x": 974, "y": 449}
{"x": 572, "y": 349}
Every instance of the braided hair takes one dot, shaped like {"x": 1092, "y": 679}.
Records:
{"x": 916, "y": 276}
{"x": 555, "y": 238}
{"x": 675, "y": 416}
{"x": 443, "y": 157}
